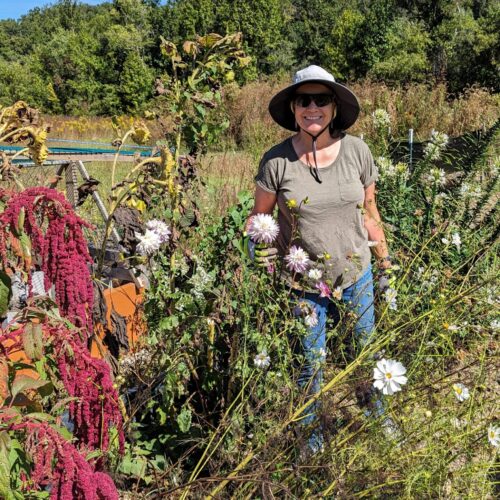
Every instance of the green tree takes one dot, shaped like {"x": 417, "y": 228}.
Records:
{"x": 405, "y": 57}
{"x": 344, "y": 43}
{"x": 136, "y": 83}
{"x": 264, "y": 24}
{"x": 470, "y": 43}
{"x": 69, "y": 61}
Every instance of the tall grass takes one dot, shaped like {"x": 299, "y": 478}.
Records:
{"x": 416, "y": 106}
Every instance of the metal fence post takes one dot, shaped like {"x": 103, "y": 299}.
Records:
{"x": 98, "y": 201}
{"x": 71, "y": 184}
{"x": 410, "y": 147}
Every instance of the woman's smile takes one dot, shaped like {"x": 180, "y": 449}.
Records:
{"x": 313, "y": 118}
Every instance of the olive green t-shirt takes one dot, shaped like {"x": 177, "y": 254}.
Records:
{"x": 332, "y": 221}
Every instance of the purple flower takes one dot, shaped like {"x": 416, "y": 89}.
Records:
{"x": 324, "y": 289}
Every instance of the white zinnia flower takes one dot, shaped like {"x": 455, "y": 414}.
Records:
{"x": 389, "y": 376}
{"x": 149, "y": 242}
{"x": 159, "y": 227}
{"x": 263, "y": 228}
{"x": 494, "y": 435}
{"x": 315, "y": 274}
{"x": 461, "y": 392}
{"x": 297, "y": 260}
{"x": 390, "y": 297}
{"x": 262, "y": 360}
{"x": 455, "y": 239}
{"x": 311, "y": 320}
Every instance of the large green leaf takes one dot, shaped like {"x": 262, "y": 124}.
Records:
{"x": 5, "y": 293}
{"x": 24, "y": 383}
{"x": 5, "y": 490}
{"x": 33, "y": 340}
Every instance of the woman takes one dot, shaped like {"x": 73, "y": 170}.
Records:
{"x": 331, "y": 176}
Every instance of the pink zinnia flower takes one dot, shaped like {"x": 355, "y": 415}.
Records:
{"x": 324, "y": 289}
{"x": 297, "y": 260}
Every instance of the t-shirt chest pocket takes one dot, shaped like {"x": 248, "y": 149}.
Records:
{"x": 351, "y": 190}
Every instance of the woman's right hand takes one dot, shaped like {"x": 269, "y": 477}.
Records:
{"x": 261, "y": 254}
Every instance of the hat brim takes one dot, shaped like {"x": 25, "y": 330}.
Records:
{"x": 347, "y": 105}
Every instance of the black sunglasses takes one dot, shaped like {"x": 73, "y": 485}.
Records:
{"x": 303, "y": 100}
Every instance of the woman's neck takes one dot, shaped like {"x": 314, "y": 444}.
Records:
{"x": 303, "y": 140}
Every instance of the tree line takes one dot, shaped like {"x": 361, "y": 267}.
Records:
{"x": 77, "y": 59}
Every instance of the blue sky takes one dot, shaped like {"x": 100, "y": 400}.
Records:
{"x": 14, "y": 9}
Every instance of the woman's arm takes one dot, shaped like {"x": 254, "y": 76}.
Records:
{"x": 373, "y": 224}
{"x": 264, "y": 203}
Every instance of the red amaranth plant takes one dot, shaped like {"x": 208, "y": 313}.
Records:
{"x": 39, "y": 221}
{"x": 87, "y": 379}
{"x": 58, "y": 465}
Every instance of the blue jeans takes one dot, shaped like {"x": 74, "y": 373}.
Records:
{"x": 359, "y": 300}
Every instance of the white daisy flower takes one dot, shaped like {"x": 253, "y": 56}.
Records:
{"x": 159, "y": 227}
{"x": 315, "y": 274}
{"x": 461, "y": 392}
{"x": 263, "y": 228}
{"x": 494, "y": 435}
{"x": 262, "y": 360}
{"x": 319, "y": 355}
{"x": 390, "y": 297}
{"x": 149, "y": 242}
{"x": 495, "y": 324}
{"x": 297, "y": 260}
{"x": 311, "y": 320}
{"x": 389, "y": 376}
{"x": 456, "y": 240}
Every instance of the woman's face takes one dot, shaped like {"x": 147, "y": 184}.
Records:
{"x": 311, "y": 117}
